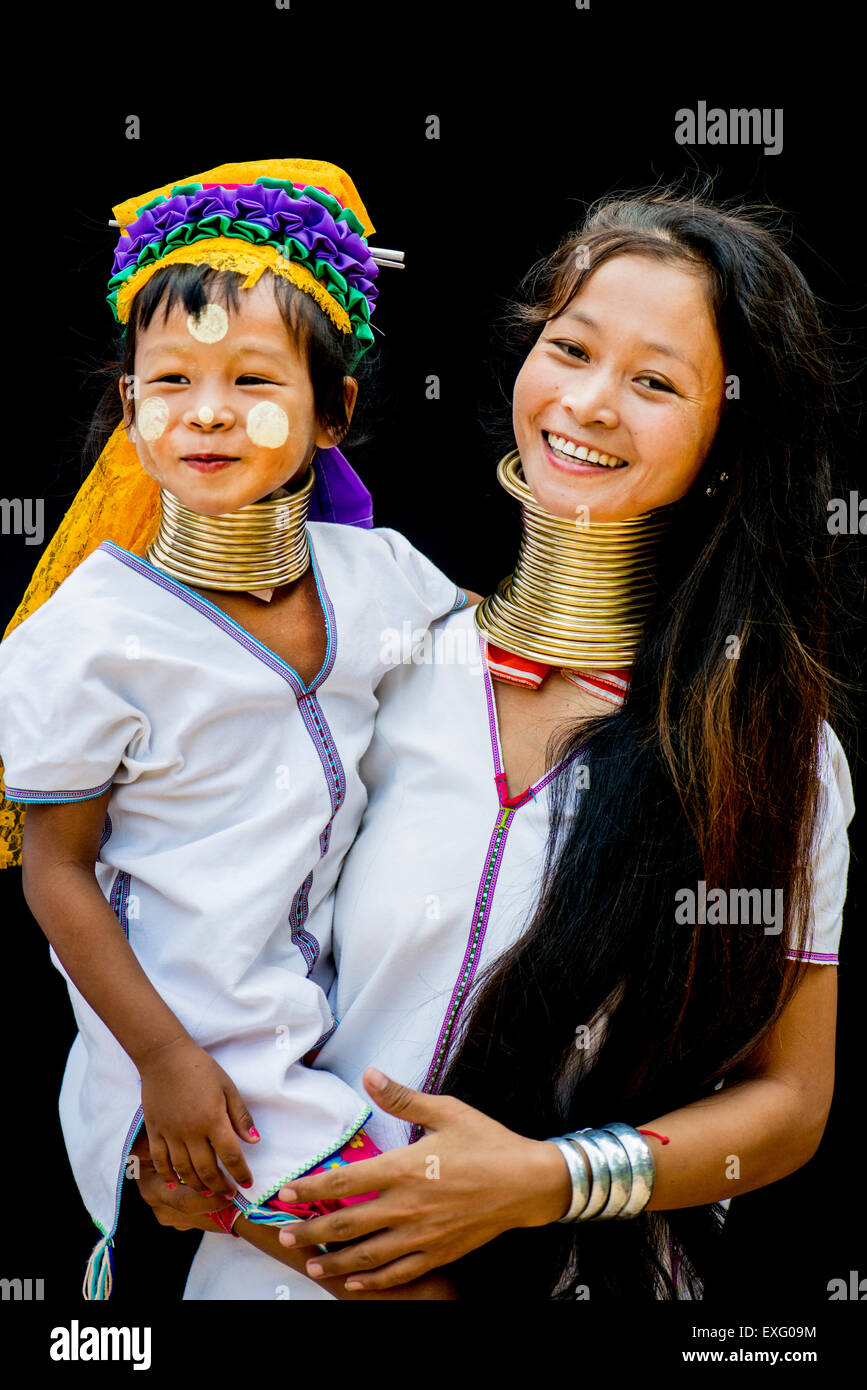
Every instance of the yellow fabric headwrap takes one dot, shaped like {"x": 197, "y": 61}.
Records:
{"x": 117, "y": 502}
{"x": 317, "y": 172}
{"x": 250, "y": 259}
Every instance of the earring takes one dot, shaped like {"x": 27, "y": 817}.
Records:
{"x": 715, "y": 483}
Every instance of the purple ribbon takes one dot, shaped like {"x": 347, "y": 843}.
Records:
{"x": 339, "y": 494}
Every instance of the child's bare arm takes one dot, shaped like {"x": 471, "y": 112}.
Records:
{"x": 61, "y": 844}
{"x": 185, "y": 1094}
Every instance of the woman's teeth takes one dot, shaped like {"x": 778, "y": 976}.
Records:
{"x": 567, "y": 449}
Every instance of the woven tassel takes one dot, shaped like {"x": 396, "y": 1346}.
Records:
{"x": 99, "y": 1275}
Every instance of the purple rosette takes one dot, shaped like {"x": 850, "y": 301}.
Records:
{"x": 273, "y": 212}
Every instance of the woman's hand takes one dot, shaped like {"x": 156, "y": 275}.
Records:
{"x": 467, "y": 1180}
{"x": 187, "y": 1210}
{"x": 194, "y": 1116}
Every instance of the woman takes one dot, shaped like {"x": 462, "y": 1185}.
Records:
{"x": 578, "y": 953}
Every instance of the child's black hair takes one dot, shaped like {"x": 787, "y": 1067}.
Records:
{"x": 330, "y": 353}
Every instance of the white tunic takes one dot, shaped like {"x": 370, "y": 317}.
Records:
{"x": 440, "y": 881}
{"x": 235, "y": 795}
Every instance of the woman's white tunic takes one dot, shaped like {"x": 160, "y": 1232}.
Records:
{"x": 440, "y": 881}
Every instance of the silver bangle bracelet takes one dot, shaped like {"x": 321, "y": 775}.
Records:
{"x": 615, "y": 1156}
{"x": 622, "y": 1173}
{"x": 580, "y": 1180}
{"x": 600, "y": 1172}
{"x": 640, "y": 1157}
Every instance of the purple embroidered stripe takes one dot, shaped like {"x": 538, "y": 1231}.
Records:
{"x": 308, "y": 706}
{"x": 25, "y": 794}
{"x": 829, "y": 957}
{"x": 485, "y": 895}
{"x": 233, "y": 629}
{"x": 307, "y": 944}
{"x": 119, "y": 900}
{"x": 323, "y": 741}
{"x": 317, "y": 1047}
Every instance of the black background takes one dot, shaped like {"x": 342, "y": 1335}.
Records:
{"x": 541, "y": 108}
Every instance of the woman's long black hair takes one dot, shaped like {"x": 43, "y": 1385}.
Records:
{"x": 708, "y": 772}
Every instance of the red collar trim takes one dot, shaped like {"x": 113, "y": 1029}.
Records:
{"x": 612, "y": 686}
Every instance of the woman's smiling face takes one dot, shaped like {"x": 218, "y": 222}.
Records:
{"x": 632, "y": 369}
{"x": 224, "y": 407}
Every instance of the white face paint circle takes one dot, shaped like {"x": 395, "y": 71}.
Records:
{"x": 206, "y": 414}
{"x": 211, "y": 325}
{"x": 268, "y": 425}
{"x": 153, "y": 416}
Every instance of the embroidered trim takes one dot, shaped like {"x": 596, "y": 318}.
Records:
{"x": 310, "y": 1057}
{"x": 323, "y": 741}
{"x": 25, "y": 794}
{"x": 135, "y": 1126}
{"x": 821, "y": 957}
{"x": 119, "y": 900}
{"x": 348, "y": 1134}
{"x": 487, "y": 885}
{"x": 233, "y": 629}
{"x": 306, "y": 943}
{"x": 308, "y": 706}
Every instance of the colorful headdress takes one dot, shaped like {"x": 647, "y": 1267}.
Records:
{"x": 300, "y": 218}
{"x": 303, "y": 220}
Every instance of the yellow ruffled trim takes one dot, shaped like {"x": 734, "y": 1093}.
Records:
{"x": 117, "y": 502}
{"x": 250, "y": 259}
{"x": 317, "y": 172}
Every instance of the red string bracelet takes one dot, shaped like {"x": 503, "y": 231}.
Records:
{"x": 661, "y": 1137}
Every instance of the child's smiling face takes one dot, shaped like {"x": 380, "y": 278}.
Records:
{"x": 224, "y": 406}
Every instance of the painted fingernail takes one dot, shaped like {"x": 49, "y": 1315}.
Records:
{"x": 254, "y": 1133}
{"x": 206, "y": 1192}
{"x": 315, "y": 1270}
{"x": 247, "y": 1184}
{"x": 353, "y": 1284}
{"x": 172, "y": 1185}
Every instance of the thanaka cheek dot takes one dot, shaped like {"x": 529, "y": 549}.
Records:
{"x": 268, "y": 425}
{"x": 210, "y": 325}
{"x": 206, "y": 414}
{"x": 153, "y": 416}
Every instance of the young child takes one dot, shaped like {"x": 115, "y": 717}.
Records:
{"x": 185, "y": 715}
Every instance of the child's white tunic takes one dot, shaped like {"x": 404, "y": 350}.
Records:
{"x": 440, "y": 881}
{"x": 235, "y": 795}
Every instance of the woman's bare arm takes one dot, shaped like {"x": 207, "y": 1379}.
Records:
{"x": 469, "y": 1178}
{"x": 762, "y": 1128}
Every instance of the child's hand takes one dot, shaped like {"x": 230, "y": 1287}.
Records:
{"x": 194, "y": 1115}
